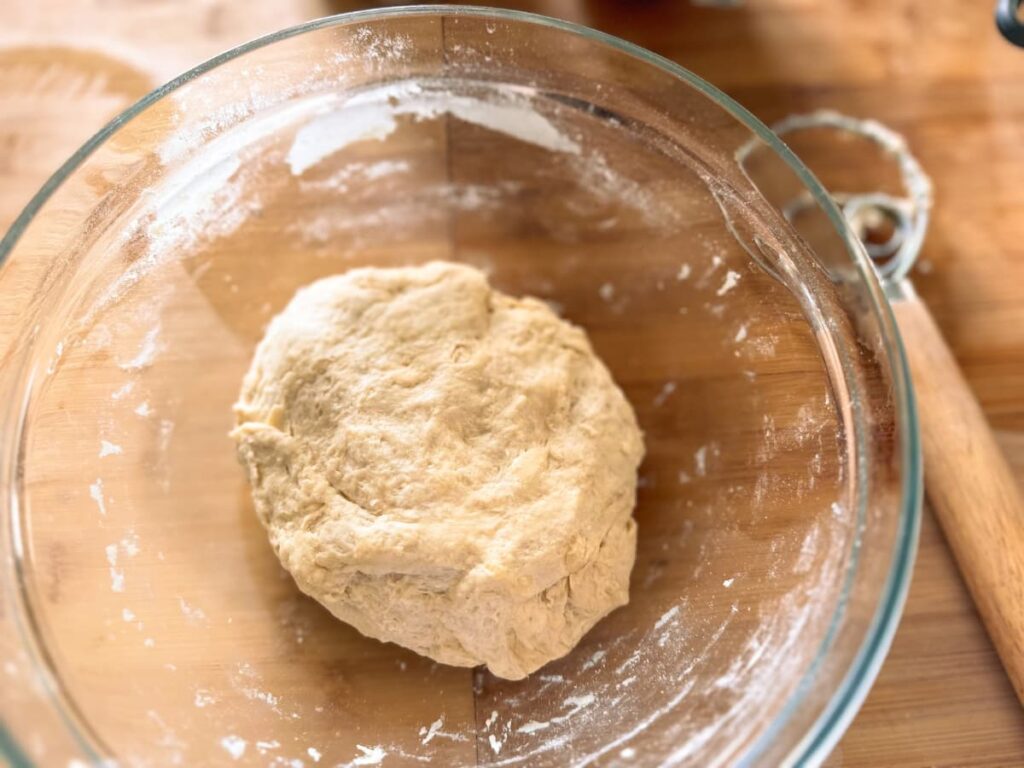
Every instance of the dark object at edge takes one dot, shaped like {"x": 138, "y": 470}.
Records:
{"x": 1008, "y": 23}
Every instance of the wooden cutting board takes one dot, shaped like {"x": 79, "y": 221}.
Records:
{"x": 936, "y": 71}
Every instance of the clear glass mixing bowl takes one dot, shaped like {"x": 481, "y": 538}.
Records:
{"x": 145, "y": 617}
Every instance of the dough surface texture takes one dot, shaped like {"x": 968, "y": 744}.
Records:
{"x": 441, "y": 465}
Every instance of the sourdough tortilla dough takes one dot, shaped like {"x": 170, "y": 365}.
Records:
{"x": 442, "y": 466}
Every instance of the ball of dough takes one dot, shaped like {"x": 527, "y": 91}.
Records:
{"x": 442, "y": 466}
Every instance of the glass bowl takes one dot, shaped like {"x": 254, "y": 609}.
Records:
{"x": 145, "y": 618}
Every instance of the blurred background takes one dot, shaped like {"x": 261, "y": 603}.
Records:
{"x": 937, "y": 72}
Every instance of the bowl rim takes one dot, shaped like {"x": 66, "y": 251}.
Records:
{"x": 842, "y": 706}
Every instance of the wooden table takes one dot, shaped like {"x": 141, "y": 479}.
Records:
{"x": 935, "y": 71}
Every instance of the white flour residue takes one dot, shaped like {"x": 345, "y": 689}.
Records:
{"x": 606, "y": 292}
{"x": 234, "y": 746}
{"x": 700, "y": 461}
{"x": 428, "y": 734}
{"x": 204, "y": 698}
{"x": 130, "y": 543}
{"x": 633, "y": 659}
{"x": 685, "y": 685}
{"x": 265, "y": 746}
{"x": 339, "y": 182}
{"x": 728, "y": 583}
{"x": 495, "y": 743}
{"x": 143, "y": 358}
{"x": 808, "y": 550}
{"x": 227, "y": 125}
{"x": 164, "y": 441}
{"x": 515, "y": 118}
{"x": 325, "y": 135}
{"x": 806, "y": 426}
{"x": 381, "y": 48}
{"x": 608, "y": 185}
{"x": 594, "y": 660}
{"x": 192, "y": 613}
{"x": 472, "y": 197}
{"x": 707, "y": 274}
{"x": 666, "y": 617}
{"x": 57, "y": 354}
{"x": 741, "y": 333}
{"x": 490, "y": 720}
{"x": 99, "y": 338}
{"x": 128, "y": 546}
{"x": 815, "y": 467}
{"x": 370, "y": 756}
{"x": 143, "y": 409}
{"x": 382, "y": 168}
{"x": 168, "y": 738}
{"x": 96, "y": 494}
{"x": 533, "y": 726}
{"x": 108, "y": 448}
{"x": 770, "y": 445}
{"x": 685, "y": 270}
{"x": 731, "y": 279}
{"x": 197, "y": 201}
{"x": 654, "y": 573}
{"x": 667, "y": 390}
{"x": 575, "y": 704}
{"x": 397, "y": 751}
{"x": 127, "y": 615}
{"x": 717, "y": 310}
{"x": 314, "y": 753}
{"x": 203, "y": 195}
{"x": 764, "y": 345}
{"x": 122, "y": 391}
{"x": 266, "y": 697}
{"x": 754, "y": 651}
{"x": 246, "y": 681}
{"x": 116, "y": 574}
{"x": 431, "y": 202}
{"x": 780, "y": 634}
{"x": 371, "y": 115}
{"x": 201, "y": 199}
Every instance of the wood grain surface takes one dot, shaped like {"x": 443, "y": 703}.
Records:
{"x": 936, "y": 71}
